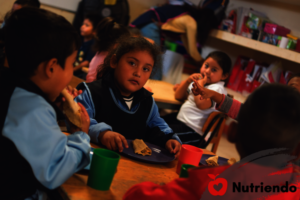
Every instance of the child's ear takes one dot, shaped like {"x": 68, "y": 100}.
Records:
{"x": 50, "y": 67}
{"x": 232, "y": 132}
{"x": 224, "y": 76}
{"x": 113, "y": 61}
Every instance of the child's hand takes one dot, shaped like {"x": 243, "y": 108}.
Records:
{"x": 200, "y": 90}
{"x": 194, "y": 77}
{"x": 113, "y": 140}
{"x": 175, "y": 86}
{"x": 85, "y": 121}
{"x": 73, "y": 91}
{"x": 174, "y": 147}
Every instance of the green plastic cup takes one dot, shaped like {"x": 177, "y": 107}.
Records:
{"x": 103, "y": 168}
{"x": 184, "y": 170}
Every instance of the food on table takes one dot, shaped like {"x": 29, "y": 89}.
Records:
{"x": 140, "y": 147}
{"x": 212, "y": 161}
{"x": 71, "y": 109}
{"x": 231, "y": 161}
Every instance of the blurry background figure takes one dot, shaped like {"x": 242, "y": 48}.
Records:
{"x": 118, "y": 10}
{"x": 181, "y": 28}
{"x": 20, "y": 4}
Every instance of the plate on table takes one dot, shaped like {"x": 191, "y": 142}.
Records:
{"x": 221, "y": 160}
{"x": 159, "y": 154}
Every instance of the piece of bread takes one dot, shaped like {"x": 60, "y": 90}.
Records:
{"x": 71, "y": 109}
{"x": 140, "y": 147}
{"x": 231, "y": 161}
{"x": 212, "y": 161}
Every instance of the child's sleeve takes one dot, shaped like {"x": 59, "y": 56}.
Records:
{"x": 53, "y": 156}
{"x": 159, "y": 130}
{"x": 95, "y": 128}
{"x": 229, "y": 106}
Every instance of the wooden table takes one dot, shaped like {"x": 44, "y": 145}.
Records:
{"x": 129, "y": 173}
{"x": 164, "y": 94}
{"x": 75, "y": 81}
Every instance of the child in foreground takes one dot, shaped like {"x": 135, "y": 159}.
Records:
{"x": 194, "y": 112}
{"x": 118, "y": 105}
{"x": 86, "y": 51}
{"x": 37, "y": 156}
{"x": 266, "y": 135}
{"x": 108, "y": 35}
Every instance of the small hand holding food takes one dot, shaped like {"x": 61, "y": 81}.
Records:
{"x": 198, "y": 89}
{"x": 195, "y": 76}
{"x": 174, "y": 147}
{"x": 113, "y": 140}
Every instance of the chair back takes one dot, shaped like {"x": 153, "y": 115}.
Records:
{"x": 214, "y": 125}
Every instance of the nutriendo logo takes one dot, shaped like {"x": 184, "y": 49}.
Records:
{"x": 219, "y": 190}
{"x": 216, "y": 189}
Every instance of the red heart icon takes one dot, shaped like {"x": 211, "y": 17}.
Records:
{"x": 217, "y": 181}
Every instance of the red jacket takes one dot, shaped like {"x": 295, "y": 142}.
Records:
{"x": 196, "y": 186}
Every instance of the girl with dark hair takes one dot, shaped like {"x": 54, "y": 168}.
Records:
{"x": 108, "y": 35}
{"x": 194, "y": 112}
{"x": 118, "y": 105}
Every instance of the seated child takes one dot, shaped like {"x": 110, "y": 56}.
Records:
{"x": 267, "y": 125}
{"x": 118, "y": 105}
{"x": 86, "y": 51}
{"x": 108, "y": 35}
{"x": 36, "y": 156}
{"x": 194, "y": 112}
{"x": 21, "y": 4}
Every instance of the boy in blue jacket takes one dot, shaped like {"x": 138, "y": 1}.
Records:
{"x": 36, "y": 156}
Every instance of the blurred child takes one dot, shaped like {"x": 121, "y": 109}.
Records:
{"x": 194, "y": 112}
{"x": 36, "y": 156}
{"x": 266, "y": 134}
{"x": 118, "y": 105}
{"x": 86, "y": 51}
{"x": 21, "y": 4}
{"x": 108, "y": 34}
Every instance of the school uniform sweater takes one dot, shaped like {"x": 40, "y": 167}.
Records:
{"x": 35, "y": 155}
{"x": 109, "y": 111}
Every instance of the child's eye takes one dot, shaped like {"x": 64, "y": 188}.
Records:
{"x": 206, "y": 65}
{"x": 213, "y": 70}
{"x": 146, "y": 69}
{"x": 132, "y": 63}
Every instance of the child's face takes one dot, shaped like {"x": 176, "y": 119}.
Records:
{"x": 62, "y": 77}
{"x": 213, "y": 71}
{"x": 295, "y": 83}
{"x": 87, "y": 29}
{"x": 132, "y": 71}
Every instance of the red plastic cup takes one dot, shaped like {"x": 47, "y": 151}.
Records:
{"x": 189, "y": 155}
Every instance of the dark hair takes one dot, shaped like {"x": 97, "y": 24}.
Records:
{"x": 222, "y": 59}
{"x": 94, "y": 18}
{"x": 129, "y": 45}
{"x": 33, "y": 36}
{"x": 134, "y": 32}
{"x": 270, "y": 119}
{"x": 30, "y": 3}
{"x": 108, "y": 33}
